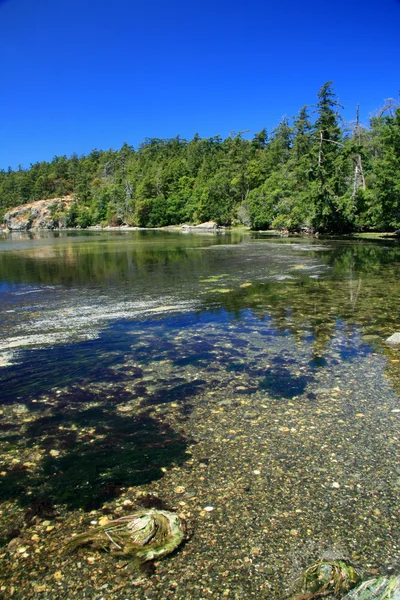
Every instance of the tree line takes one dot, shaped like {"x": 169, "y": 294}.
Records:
{"x": 310, "y": 173}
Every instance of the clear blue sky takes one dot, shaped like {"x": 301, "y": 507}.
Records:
{"x": 80, "y": 74}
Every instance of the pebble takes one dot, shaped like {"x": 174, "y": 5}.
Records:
{"x": 336, "y": 485}
{"x": 208, "y": 508}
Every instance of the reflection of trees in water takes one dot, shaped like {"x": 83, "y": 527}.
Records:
{"x": 108, "y": 259}
{"x": 361, "y": 290}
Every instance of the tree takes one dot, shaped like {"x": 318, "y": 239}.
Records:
{"x": 329, "y": 182}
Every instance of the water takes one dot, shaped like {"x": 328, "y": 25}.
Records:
{"x": 246, "y": 373}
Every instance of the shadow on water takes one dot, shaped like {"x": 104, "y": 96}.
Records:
{"x": 177, "y": 393}
{"x": 281, "y": 383}
{"x": 88, "y": 454}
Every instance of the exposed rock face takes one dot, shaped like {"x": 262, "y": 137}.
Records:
{"x": 41, "y": 214}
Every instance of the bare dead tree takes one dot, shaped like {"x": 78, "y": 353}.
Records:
{"x": 359, "y": 179}
{"x": 390, "y": 105}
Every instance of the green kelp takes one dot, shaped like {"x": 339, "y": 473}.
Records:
{"x": 382, "y": 588}
{"x": 327, "y": 577}
{"x": 145, "y": 535}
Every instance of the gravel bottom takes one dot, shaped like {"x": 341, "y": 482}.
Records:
{"x": 273, "y": 464}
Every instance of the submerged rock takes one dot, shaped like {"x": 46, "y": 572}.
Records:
{"x": 145, "y": 535}
{"x": 383, "y": 588}
{"x": 394, "y": 339}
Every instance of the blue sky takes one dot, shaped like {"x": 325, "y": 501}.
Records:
{"x": 76, "y": 75}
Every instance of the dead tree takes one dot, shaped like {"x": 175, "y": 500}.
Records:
{"x": 358, "y": 179}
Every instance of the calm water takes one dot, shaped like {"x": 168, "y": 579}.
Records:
{"x": 246, "y": 373}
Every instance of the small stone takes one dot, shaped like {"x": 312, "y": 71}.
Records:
{"x": 208, "y": 508}
{"x": 54, "y": 452}
{"x": 257, "y": 472}
{"x": 336, "y": 485}
{"x": 179, "y": 489}
{"x": 14, "y": 544}
{"x": 393, "y": 339}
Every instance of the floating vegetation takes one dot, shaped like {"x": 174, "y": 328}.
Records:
{"x": 327, "y": 577}
{"x": 145, "y": 535}
{"x": 383, "y": 588}
{"x": 213, "y": 278}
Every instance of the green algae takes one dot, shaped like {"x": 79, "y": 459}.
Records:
{"x": 382, "y": 588}
{"x": 328, "y": 577}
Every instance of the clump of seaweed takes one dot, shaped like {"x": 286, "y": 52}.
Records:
{"x": 144, "y": 535}
{"x": 382, "y": 588}
{"x": 327, "y": 577}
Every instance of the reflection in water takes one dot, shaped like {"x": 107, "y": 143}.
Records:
{"x": 276, "y": 403}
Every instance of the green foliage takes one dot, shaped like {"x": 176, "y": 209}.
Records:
{"x": 308, "y": 173}
{"x": 72, "y": 216}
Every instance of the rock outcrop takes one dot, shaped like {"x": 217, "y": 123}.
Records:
{"x": 208, "y": 226}
{"x": 42, "y": 214}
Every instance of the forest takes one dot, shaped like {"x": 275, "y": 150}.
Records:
{"x": 311, "y": 173}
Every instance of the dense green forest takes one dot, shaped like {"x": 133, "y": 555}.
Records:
{"x": 311, "y": 172}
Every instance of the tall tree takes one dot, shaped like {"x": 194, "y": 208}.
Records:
{"x": 329, "y": 184}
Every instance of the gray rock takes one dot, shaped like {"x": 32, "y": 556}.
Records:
{"x": 208, "y": 226}
{"x": 394, "y": 339}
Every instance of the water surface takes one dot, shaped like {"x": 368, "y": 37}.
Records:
{"x": 246, "y": 373}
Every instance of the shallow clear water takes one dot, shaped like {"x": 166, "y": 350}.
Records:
{"x": 246, "y": 373}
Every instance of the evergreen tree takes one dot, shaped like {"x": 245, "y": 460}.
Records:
{"x": 328, "y": 186}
